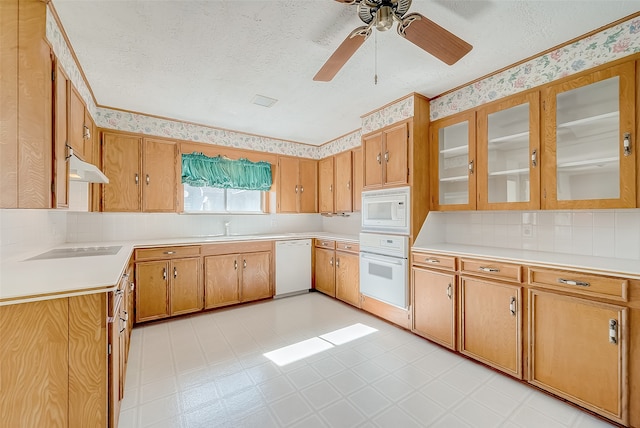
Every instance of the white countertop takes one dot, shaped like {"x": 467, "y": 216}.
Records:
{"x": 602, "y": 265}
{"x": 24, "y": 280}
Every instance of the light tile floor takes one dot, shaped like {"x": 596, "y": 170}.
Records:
{"x": 208, "y": 370}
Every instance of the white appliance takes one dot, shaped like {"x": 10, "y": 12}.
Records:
{"x": 384, "y": 268}
{"x": 293, "y": 267}
{"x": 386, "y": 210}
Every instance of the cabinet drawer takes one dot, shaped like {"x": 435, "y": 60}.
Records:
{"x": 580, "y": 283}
{"x": 348, "y": 246}
{"x": 492, "y": 269}
{"x": 435, "y": 261}
{"x": 167, "y": 252}
{"x": 325, "y": 243}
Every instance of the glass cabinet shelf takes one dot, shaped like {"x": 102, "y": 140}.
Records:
{"x": 518, "y": 136}
{"x": 518, "y": 171}
{"x": 612, "y": 117}
{"x": 589, "y": 162}
{"x": 452, "y": 179}
{"x": 455, "y": 151}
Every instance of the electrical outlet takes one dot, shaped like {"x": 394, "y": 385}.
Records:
{"x": 526, "y": 230}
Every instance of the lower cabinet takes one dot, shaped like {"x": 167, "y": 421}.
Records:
{"x": 578, "y": 351}
{"x": 325, "y": 271}
{"x": 490, "y": 324}
{"x": 348, "y": 278}
{"x": 337, "y": 270}
{"x": 434, "y": 305}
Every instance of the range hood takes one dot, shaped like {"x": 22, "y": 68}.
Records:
{"x": 80, "y": 170}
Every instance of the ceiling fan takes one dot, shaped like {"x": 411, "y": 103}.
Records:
{"x": 381, "y": 14}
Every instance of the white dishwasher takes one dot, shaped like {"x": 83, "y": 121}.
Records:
{"x": 293, "y": 267}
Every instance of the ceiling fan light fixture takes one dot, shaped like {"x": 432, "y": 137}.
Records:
{"x": 384, "y": 18}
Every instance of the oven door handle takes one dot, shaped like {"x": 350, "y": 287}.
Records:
{"x": 398, "y": 261}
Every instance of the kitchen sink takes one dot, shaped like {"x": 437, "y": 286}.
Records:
{"x": 65, "y": 253}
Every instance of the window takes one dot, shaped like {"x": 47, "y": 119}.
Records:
{"x": 216, "y": 200}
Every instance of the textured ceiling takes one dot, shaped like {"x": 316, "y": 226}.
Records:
{"x": 204, "y": 61}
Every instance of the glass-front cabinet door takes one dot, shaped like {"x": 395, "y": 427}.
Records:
{"x": 589, "y": 159}
{"x": 453, "y": 162}
{"x": 508, "y": 153}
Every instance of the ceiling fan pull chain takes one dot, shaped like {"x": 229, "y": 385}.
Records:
{"x": 375, "y": 58}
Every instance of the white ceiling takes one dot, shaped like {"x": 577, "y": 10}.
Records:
{"x": 204, "y": 61}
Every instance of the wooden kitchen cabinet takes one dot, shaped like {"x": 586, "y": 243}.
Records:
{"x": 324, "y": 267}
{"x": 79, "y": 129}
{"x": 297, "y": 185}
{"x": 386, "y": 157}
{"x": 344, "y": 182}
{"x": 347, "y": 271}
{"x": 142, "y": 174}
{"x": 221, "y": 280}
{"x": 491, "y": 323}
{"x": 587, "y": 119}
{"x": 62, "y": 85}
{"x": 358, "y": 179}
{"x": 578, "y": 350}
{"x": 326, "y": 194}
{"x": 434, "y": 305}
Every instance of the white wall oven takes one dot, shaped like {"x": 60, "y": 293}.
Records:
{"x": 384, "y": 270}
{"x": 386, "y": 210}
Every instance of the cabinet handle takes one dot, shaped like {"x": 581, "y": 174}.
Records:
{"x": 613, "y": 331}
{"x": 338, "y": 262}
{"x": 386, "y": 157}
{"x": 512, "y": 306}
{"x": 126, "y": 315}
{"x": 331, "y": 187}
{"x": 244, "y": 264}
{"x": 137, "y": 179}
{"x": 331, "y": 261}
{"x": 86, "y": 133}
{"x": 572, "y": 282}
{"x": 301, "y": 189}
{"x": 347, "y": 247}
{"x": 471, "y": 167}
{"x": 534, "y": 158}
{"x": 349, "y": 185}
{"x": 626, "y": 143}
{"x": 175, "y": 272}
{"x": 427, "y": 260}
{"x": 488, "y": 269}
{"x": 378, "y": 159}
{"x": 296, "y": 190}
{"x": 235, "y": 264}
{"x": 169, "y": 252}
{"x": 147, "y": 179}
{"x": 164, "y": 273}
{"x": 449, "y": 291}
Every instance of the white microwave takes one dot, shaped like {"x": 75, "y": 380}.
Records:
{"x": 386, "y": 210}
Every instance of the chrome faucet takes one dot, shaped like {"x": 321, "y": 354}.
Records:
{"x": 227, "y": 224}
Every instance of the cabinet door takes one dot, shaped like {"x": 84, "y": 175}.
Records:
{"x": 358, "y": 177}
{"x": 453, "y": 162}
{"x": 152, "y": 290}
{"x": 287, "y": 185}
{"x": 576, "y": 345}
{"x": 325, "y": 185}
{"x": 395, "y": 165}
{"x": 372, "y": 156}
{"x": 434, "y": 306}
{"x": 61, "y": 123}
{"x": 89, "y": 137}
{"x": 344, "y": 182}
{"x": 121, "y": 164}
{"x": 221, "y": 280}
{"x": 256, "y": 276}
{"x": 308, "y": 190}
{"x": 114, "y": 361}
{"x": 586, "y": 122}
{"x": 76, "y": 123}
{"x": 508, "y": 154}
{"x": 186, "y": 289}
{"x": 324, "y": 271}
{"x": 159, "y": 188}
{"x": 348, "y": 278}
{"x": 490, "y": 324}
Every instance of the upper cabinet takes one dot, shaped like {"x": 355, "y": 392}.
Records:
{"x": 335, "y": 183}
{"x": 508, "y": 153}
{"x": 453, "y": 168}
{"x": 589, "y": 160}
{"x": 60, "y": 138}
{"x": 297, "y": 183}
{"x": 326, "y": 201}
{"x": 79, "y": 128}
{"x": 358, "y": 176}
{"x": 386, "y": 157}
{"x": 142, "y": 174}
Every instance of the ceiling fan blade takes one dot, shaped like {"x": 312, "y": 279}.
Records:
{"x": 345, "y": 51}
{"x": 346, "y": 1}
{"x": 431, "y": 37}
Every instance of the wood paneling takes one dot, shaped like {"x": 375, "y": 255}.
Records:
{"x": 256, "y": 276}
{"x": 326, "y": 201}
{"x": 159, "y": 181}
{"x": 186, "y": 286}
{"x": 394, "y": 314}
{"x": 88, "y": 360}
{"x": 221, "y": 280}
{"x": 9, "y": 104}
{"x": 34, "y": 375}
{"x": 122, "y": 165}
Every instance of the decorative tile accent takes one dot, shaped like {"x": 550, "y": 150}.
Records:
{"x": 613, "y": 43}
{"x": 396, "y": 112}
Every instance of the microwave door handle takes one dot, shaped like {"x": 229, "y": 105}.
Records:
{"x": 383, "y": 259}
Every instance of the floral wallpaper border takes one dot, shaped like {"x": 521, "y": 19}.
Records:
{"x": 400, "y": 110}
{"x": 613, "y": 43}
{"x": 341, "y": 144}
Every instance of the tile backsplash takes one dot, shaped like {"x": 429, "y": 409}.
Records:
{"x": 23, "y": 229}
{"x": 603, "y": 233}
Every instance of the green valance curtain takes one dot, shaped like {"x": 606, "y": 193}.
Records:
{"x": 199, "y": 170}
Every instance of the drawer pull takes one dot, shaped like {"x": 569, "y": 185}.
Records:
{"x": 347, "y": 247}
{"x": 613, "y": 331}
{"x": 488, "y": 269}
{"x": 449, "y": 291}
{"x": 164, "y": 273}
{"x": 572, "y": 282}
{"x": 168, "y": 253}
{"x": 512, "y": 306}
{"x": 432, "y": 260}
